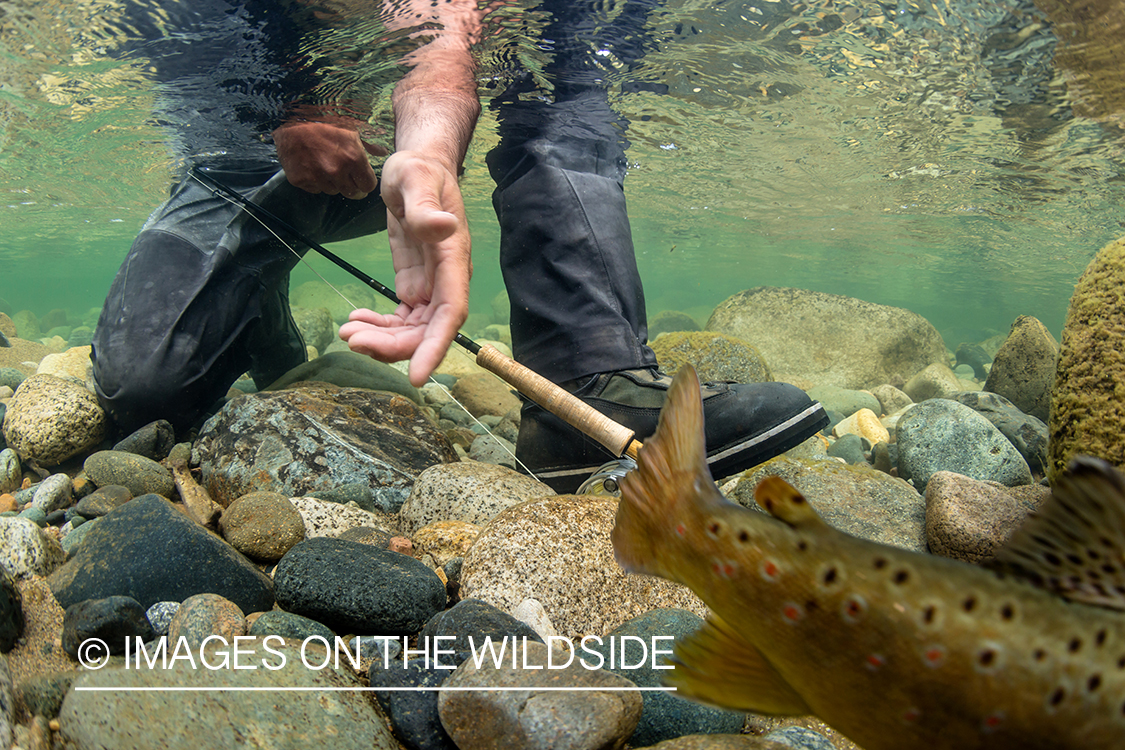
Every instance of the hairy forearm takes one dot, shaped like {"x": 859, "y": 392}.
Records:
{"x": 436, "y": 104}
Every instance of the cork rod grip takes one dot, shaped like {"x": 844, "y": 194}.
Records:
{"x": 578, "y": 414}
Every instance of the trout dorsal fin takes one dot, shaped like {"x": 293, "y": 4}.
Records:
{"x": 1074, "y": 544}
{"x": 782, "y": 501}
{"x": 717, "y": 666}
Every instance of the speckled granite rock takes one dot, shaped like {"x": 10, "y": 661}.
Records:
{"x": 856, "y": 499}
{"x": 891, "y": 399}
{"x": 1087, "y": 407}
{"x": 50, "y": 419}
{"x": 204, "y": 615}
{"x": 317, "y": 437}
{"x": 968, "y": 519}
{"x": 26, "y": 550}
{"x": 715, "y": 357}
{"x": 563, "y": 720}
{"x": 1024, "y": 369}
{"x": 468, "y": 491}
{"x": 1027, "y": 433}
{"x": 326, "y": 518}
{"x": 262, "y": 717}
{"x": 445, "y": 540}
{"x": 316, "y": 326}
{"x": 836, "y": 351}
{"x": 557, "y": 550}
{"x": 138, "y": 474}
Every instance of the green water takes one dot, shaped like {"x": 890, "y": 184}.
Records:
{"x": 925, "y": 156}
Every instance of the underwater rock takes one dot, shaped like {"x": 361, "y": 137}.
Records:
{"x": 11, "y": 473}
{"x": 665, "y": 715}
{"x": 670, "y": 321}
{"x": 73, "y": 364}
{"x": 349, "y": 370}
{"x": 844, "y": 401}
{"x": 11, "y": 377}
{"x": 715, "y": 357}
{"x": 725, "y": 742}
{"x": 856, "y": 499}
{"x": 314, "y": 294}
{"x": 50, "y": 419}
{"x": 501, "y": 308}
{"x": 266, "y": 712}
{"x": 203, "y": 615}
{"x": 557, "y": 550}
{"x": 316, "y": 326}
{"x": 943, "y": 435}
{"x": 53, "y": 493}
{"x": 11, "y": 612}
{"x": 865, "y": 424}
{"x": 413, "y": 715}
{"x": 445, "y": 540}
{"x": 566, "y": 720}
{"x": 844, "y": 341}
{"x": 850, "y": 448}
{"x": 1024, "y": 369}
{"x": 152, "y": 552}
{"x": 317, "y": 437}
{"x": 1027, "y": 433}
{"x": 493, "y": 449}
{"x": 27, "y": 325}
{"x": 357, "y": 588}
{"x": 891, "y": 399}
{"x": 483, "y": 394}
{"x": 467, "y": 491}
{"x": 102, "y": 500}
{"x": 476, "y": 620}
{"x": 7, "y": 327}
{"x": 327, "y": 518}
{"x": 155, "y": 440}
{"x": 25, "y": 550}
{"x": 289, "y": 625}
{"x": 140, "y": 475}
{"x": 1087, "y": 408}
{"x": 975, "y": 357}
{"x": 114, "y": 620}
{"x": 936, "y": 381}
{"x": 262, "y": 525}
{"x": 968, "y": 519}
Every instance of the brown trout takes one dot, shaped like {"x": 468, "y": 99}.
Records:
{"x": 895, "y": 649}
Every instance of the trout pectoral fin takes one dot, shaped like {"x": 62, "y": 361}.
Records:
{"x": 718, "y": 667}
{"x": 782, "y": 501}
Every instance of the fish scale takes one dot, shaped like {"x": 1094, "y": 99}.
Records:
{"x": 895, "y": 649}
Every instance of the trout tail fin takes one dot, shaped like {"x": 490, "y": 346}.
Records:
{"x": 669, "y": 485}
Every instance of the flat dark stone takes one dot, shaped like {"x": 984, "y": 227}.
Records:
{"x": 152, "y": 552}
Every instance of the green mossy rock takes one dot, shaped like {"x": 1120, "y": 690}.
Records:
{"x": 1088, "y": 404}
{"x": 715, "y": 356}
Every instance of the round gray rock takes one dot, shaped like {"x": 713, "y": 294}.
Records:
{"x": 943, "y": 435}
{"x": 138, "y": 474}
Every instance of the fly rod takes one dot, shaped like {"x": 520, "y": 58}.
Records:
{"x": 616, "y": 438}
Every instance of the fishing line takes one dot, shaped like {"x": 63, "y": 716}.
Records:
{"x": 221, "y": 191}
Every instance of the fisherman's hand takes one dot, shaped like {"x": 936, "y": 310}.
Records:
{"x": 319, "y": 157}
{"x": 430, "y": 245}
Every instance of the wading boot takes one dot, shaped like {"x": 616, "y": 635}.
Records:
{"x": 745, "y": 424}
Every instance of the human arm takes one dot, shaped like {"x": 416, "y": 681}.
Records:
{"x": 435, "y": 110}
